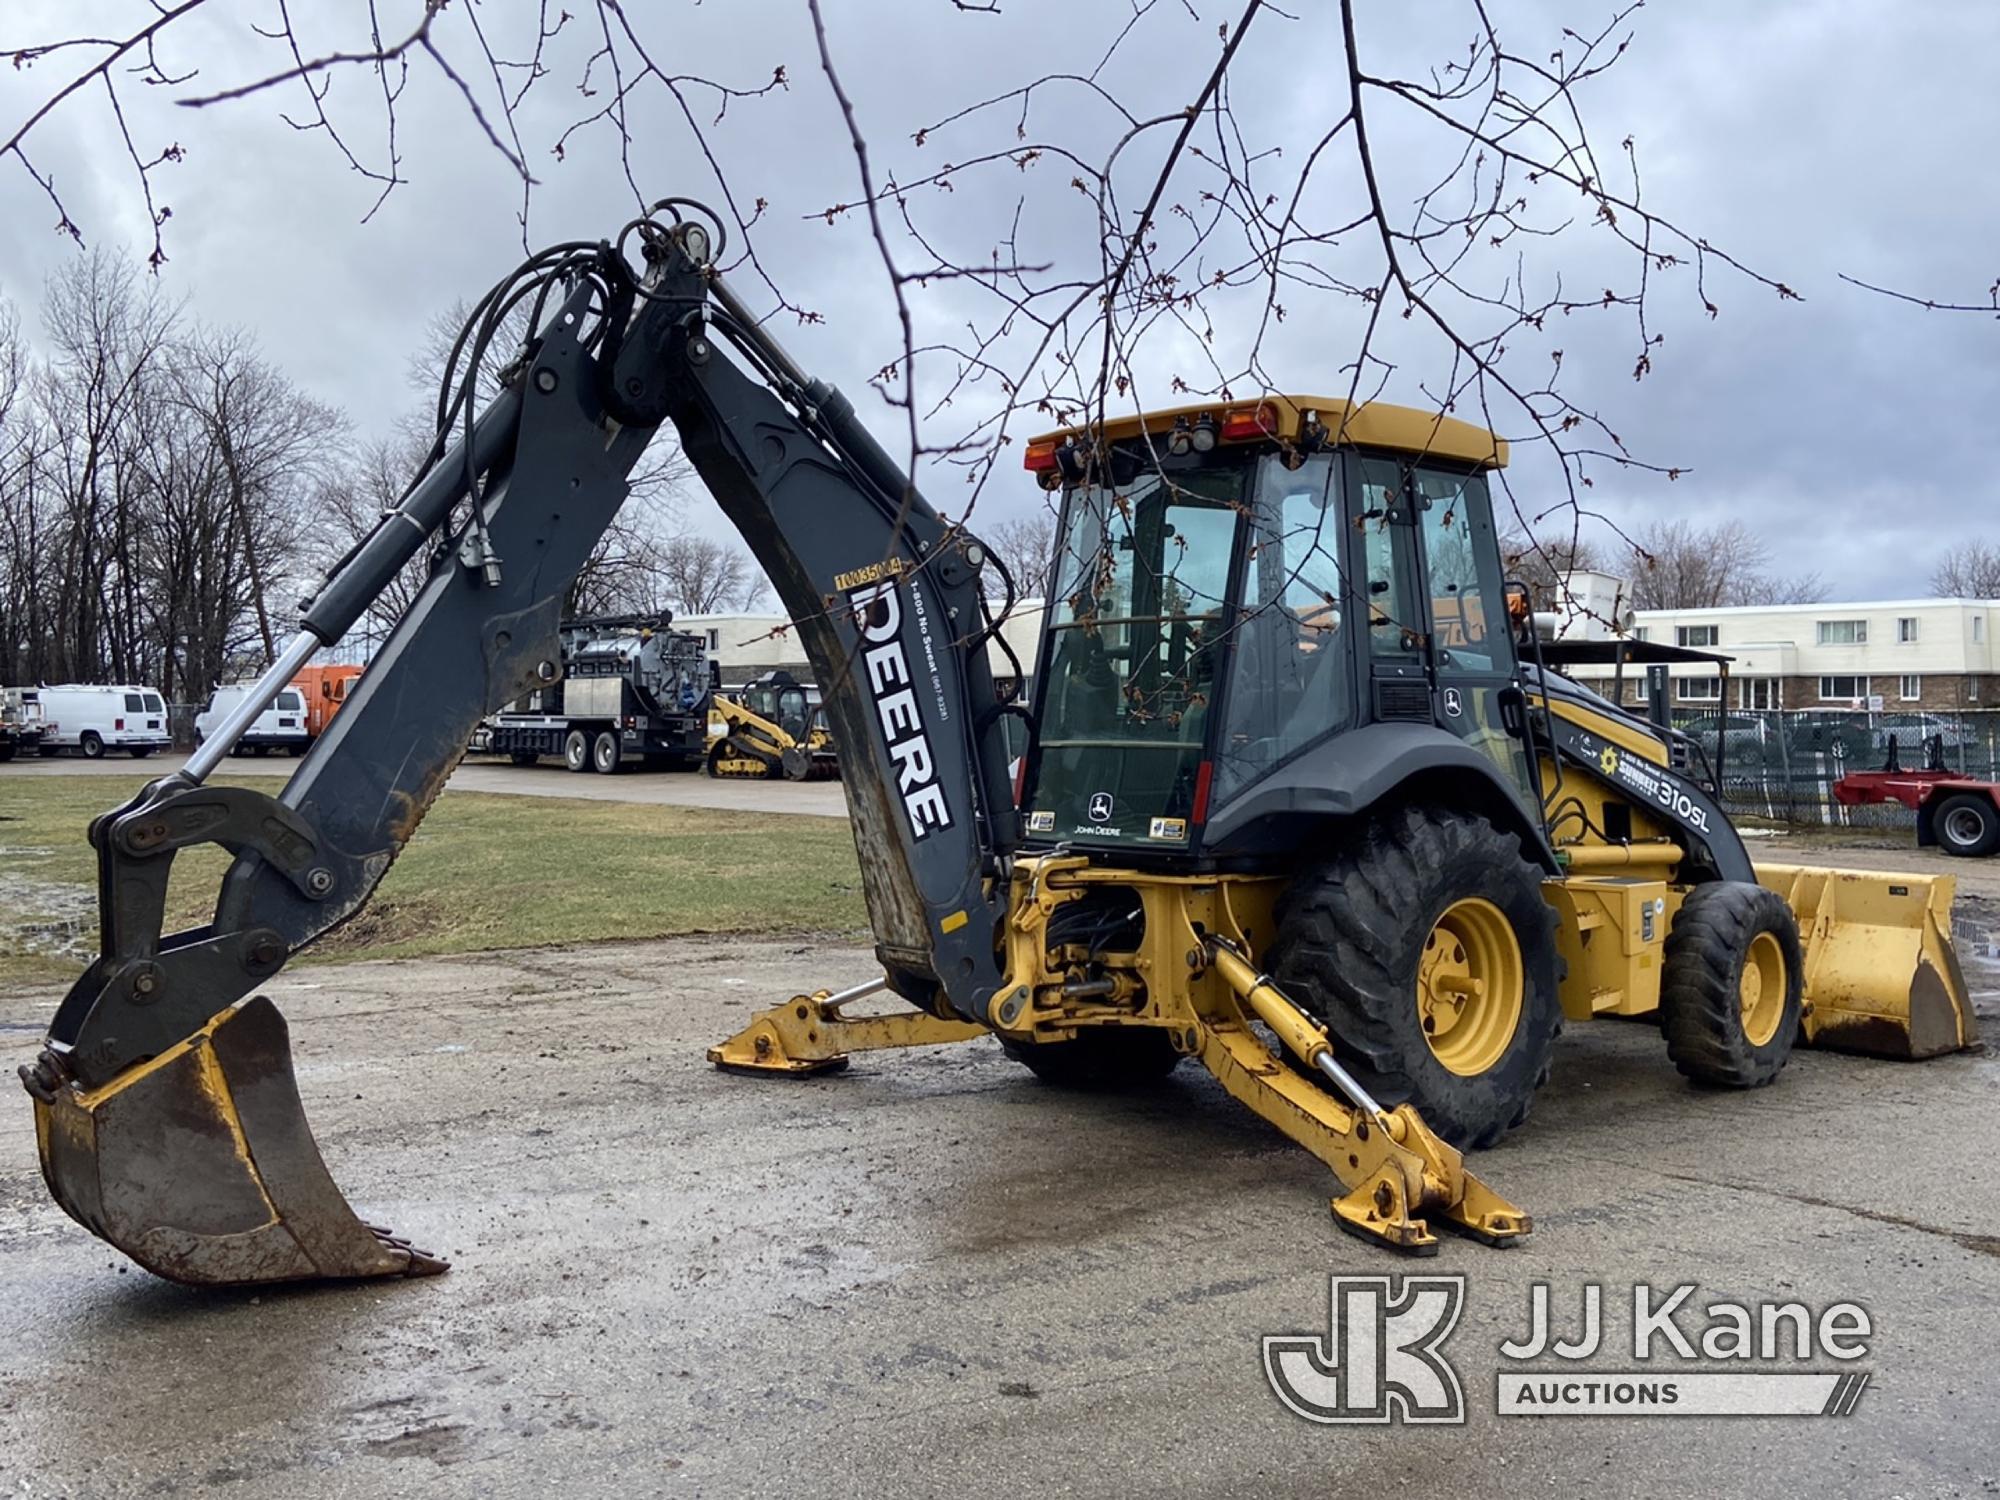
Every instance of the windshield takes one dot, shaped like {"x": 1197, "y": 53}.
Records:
{"x": 1142, "y": 577}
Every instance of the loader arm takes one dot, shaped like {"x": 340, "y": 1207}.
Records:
{"x": 166, "y": 1111}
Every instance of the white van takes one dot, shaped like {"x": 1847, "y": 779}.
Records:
{"x": 282, "y": 726}
{"x": 93, "y": 719}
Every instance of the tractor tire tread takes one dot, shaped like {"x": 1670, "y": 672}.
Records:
{"x": 1700, "y": 1006}
{"x": 1343, "y": 951}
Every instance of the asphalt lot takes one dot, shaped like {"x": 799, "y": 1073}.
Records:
{"x": 484, "y": 774}
{"x": 932, "y": 1275}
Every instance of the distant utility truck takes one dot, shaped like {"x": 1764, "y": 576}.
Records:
{"x": 20, "y": 722}
{"x": 633, "y": 691}
{"x": 94, "y": 719}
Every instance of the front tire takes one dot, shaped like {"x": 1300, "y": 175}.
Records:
{"x": 1967, "y": 825}
{"x": 523, "y": 757}
{"x": 1426, "y": 949}
{"x": 576, "y": 751}
{"x": 1732, "y": 985}
{"x": 91, "y": 745}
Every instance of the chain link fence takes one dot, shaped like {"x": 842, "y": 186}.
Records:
{"x": 1782, "y": 765}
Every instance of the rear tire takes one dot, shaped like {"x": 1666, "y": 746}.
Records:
{"x": 1732, "y": 985}
{"x": 91, "y": 745}
{"x": 523, "y": 757}
{"x": 606, "y": 752}
{"x": 1383, "y": 944}
{"x": 576, "y": 751}
{"x": 140, "y": 752}
{"x": 6, "y": 753}
{"x": 1967, "y": 825}
{"x": 1099, "y": 1058}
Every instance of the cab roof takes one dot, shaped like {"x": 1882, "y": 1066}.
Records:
{"x": 1372, "y": 424}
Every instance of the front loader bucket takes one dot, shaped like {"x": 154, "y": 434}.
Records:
{"x": 1881, "y": 974}
{"x": 200, "y": 1166}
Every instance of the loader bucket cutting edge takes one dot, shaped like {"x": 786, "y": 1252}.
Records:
{"x": 1882, "y": 976}
{"x": 200, "y": 1166}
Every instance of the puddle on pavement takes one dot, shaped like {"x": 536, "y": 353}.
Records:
{"x": 46, "y": 917}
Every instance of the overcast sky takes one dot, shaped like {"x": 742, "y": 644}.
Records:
{"x": 1858, "y": 435}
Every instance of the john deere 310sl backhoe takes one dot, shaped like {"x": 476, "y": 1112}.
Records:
{"x": 1294, "y": 807}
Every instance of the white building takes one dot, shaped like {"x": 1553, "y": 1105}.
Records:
{"x": 1888, "y": 654}
{"x": 748, "y": 646}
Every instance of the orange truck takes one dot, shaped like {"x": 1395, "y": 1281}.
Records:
{"x": 325, "y": 689}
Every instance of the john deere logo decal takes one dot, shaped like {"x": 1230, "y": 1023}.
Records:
{"x": 1100, "y": 807}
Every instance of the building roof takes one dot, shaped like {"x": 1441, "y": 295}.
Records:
{"x": 1823, "y": 607}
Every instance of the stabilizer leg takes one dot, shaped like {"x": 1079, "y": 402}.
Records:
{"x": 1399, "y": 1177}
{"x": 810, "y": 1034}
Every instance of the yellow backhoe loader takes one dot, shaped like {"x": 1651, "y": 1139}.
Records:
{"x": 1300, "y": 802}
{"x": 772, "y": 728}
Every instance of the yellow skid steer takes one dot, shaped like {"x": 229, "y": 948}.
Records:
{"x": 1297, "y": 804}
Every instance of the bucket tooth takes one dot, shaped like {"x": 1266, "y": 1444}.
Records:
{"x": 199, "y": 1165}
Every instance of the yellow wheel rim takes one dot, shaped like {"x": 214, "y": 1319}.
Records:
{"x": 1471, "y": 987}
{"x": 1761, "y": 989}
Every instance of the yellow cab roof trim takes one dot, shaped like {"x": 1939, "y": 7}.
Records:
{"x": 1373, "y": 424}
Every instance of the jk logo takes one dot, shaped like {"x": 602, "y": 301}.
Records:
{"x": 1379, "y": 1361}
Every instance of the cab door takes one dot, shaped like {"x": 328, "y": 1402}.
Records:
{"x": 1438, "y": 645}
{"x": 1471, "y": 643}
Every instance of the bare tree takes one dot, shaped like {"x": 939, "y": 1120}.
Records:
{"x": 1970, "y": 570}
{"x": 1026, "y": 546}
{"x": 1543, "y": 565}
{"x": 108, "y": 339}
{"x": 1678, "y": 565}
{"x": 1450, "y": 262}
{"x": 702, "y": 576}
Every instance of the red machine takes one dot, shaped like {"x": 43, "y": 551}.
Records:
{"x": 1955, "y": 813}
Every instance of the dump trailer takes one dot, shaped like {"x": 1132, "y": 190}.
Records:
{"x": 632, "y": 691}
{"x": 1956, "y": 814}
{"x": 1298, "y": 803}
{"x": 773, "y": 726}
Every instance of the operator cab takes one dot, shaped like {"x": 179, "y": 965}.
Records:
{"x": 1237, "y": 592}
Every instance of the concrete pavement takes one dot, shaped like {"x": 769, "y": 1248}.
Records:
{"x": 484, "y": 774}
{"x": 933, "y": 1276}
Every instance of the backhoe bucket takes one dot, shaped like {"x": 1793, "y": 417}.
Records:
{"x": 200, "y": 1166}
{"x": 1881, "y": 974}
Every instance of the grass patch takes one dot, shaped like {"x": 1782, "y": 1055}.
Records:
{"x": 484, "y": 871}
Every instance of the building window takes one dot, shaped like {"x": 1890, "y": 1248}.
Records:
{"x": 1843, "y": 633}
{"x": 1700, "y": 689}
{"x": 1694, "y": 635}
{"x": 1841, "y": 689}
{"x": 715, "y": 640}
{"x": 1910, "y": 688}
{"x": 1906, "y": 629}
{"x": 1759, "y": 693}
{"x": 1639, "y": 632}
